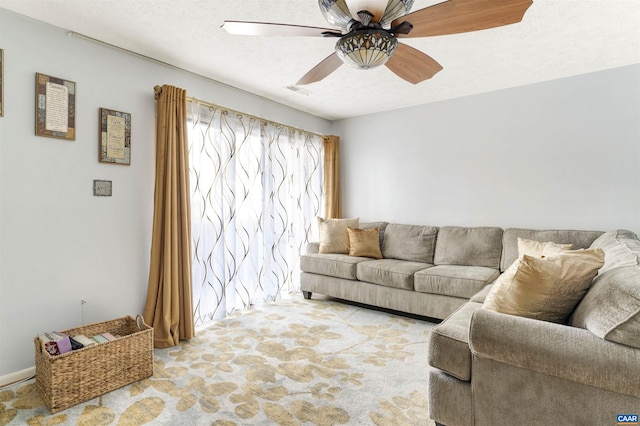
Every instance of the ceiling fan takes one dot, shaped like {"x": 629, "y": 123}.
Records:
{"x": 368, "y": 31}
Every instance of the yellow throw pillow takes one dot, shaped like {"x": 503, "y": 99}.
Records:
{"x": 539, "y": 249}
{"x": 364, "y": 242}
{"x": 333, "y": 234}
{"x": 546, "y": 288}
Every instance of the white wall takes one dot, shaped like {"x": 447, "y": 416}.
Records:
{"x": 561, "y": 154}
{"x": 58, "y": 243}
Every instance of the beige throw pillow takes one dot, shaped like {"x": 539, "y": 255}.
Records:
{"x": 364, "y": 242}
{"x": 621, "y": 248}
{"x": 546, "y": 288}
{"x": 333, "y": 234}
{"x": 539, "y": 249}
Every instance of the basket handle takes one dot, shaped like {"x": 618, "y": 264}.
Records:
{"x": 140, "y": 322}
{"x": 38, "y": 345}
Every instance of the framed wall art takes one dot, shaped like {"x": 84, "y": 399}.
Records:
{"x": 115, "y": 137}
{"x": 1, "y": 82}
{"x": 55, "y": 107}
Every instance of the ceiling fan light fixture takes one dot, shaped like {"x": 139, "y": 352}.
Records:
{"x": 375, "y": 7}
{"x": 336, "y": 12}
{"x": 394, "y": 10}
{"x": 366, "y": 48}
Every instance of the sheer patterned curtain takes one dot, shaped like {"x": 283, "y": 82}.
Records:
{"x": 256, "y": 189}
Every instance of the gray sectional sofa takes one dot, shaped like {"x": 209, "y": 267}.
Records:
{"x": 490, "y": 368}
{"x": 425, "y": 270}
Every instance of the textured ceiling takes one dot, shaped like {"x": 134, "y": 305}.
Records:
{"x": 556, "y": 39}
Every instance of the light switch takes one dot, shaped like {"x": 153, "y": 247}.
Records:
{"x": 102, "y": 188}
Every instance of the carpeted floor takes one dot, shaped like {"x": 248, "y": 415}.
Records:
{"x": 316, "y": 362}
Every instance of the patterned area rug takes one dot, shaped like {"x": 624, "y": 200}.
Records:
{"x": 316, "y": 362}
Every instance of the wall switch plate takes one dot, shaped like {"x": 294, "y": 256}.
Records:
{"x": 102, "y": 188}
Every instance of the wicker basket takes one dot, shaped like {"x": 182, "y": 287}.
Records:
{"x": 77, "y": 376}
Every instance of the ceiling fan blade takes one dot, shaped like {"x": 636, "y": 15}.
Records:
{"x": 272, "y": 29}
{"x": 461, "y": 16}
{"x": 323, "y": 69}
{"x": 412, "y": 65}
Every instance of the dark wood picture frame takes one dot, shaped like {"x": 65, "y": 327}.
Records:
{"x": 55, "y": 107}
{"x": 115, "y": 137}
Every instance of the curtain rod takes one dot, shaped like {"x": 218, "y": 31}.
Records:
{"x": 212, "y": 105}
{"x": 166, "y": 64}
{"x": 157, "y": 61}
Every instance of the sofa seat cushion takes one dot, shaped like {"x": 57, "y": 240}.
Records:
{"x": 482, "y": 294}
{"x": 333, "y": 265}
{"x": 454, "y": 280}
{"x": 390, "y": 272}
{"x": 449, "y": 343}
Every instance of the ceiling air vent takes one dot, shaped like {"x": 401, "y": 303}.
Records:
{"x": 299, "y": 90}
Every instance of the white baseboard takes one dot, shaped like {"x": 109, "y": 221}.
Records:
{"x": 17, "y": 376}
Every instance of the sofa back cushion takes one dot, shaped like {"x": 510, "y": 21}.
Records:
{"x": 540, "y": 248}
{"x": 479, "y": 246}
{"x": 382, "y": 226}
{"x": 578, "y": 239}
{"x": 611, "y": 308}
{"x": 409, "y": 242}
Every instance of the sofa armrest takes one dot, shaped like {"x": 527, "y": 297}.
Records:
{"x": 313, "y": 248}
{"x": 557, "y": 350}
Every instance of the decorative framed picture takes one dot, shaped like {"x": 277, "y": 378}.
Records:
{"x": 115, "y": 137}
{"x": 1, "y": 82}
{"x": 55, "y": 107}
